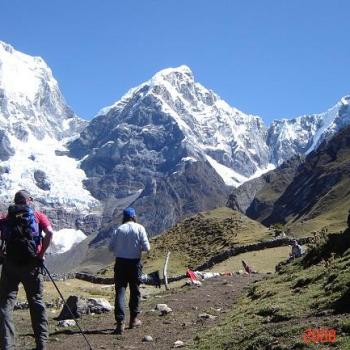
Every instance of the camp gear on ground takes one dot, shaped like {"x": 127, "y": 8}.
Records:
{"x": 246, "y": 267}
{"x": 152, "y": 278}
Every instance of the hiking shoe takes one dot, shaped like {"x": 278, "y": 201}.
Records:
{"x": 135, "y": 322}
{"x": 120, "y": 327}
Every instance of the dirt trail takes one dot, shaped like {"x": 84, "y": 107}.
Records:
{"x": 214, "y": 297}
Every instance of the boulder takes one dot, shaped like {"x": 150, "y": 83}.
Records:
{"x": 206, "y": 316}
{"x": 99, "y": 305}
{"x": 147, "y": 338}
{"x": 164, "y": 309}
{"x": 80, "y": 306}
{"x": 67, "y": 323}
{"x": 77, "y": 305}
{"x": 179, "y": 344}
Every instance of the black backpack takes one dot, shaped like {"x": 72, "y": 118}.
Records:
{"x": 21, "y": 235}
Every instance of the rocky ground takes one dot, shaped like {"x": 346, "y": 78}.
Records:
{"x": 195, "y": 310}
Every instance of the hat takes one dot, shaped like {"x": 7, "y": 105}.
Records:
{"x": 129, "y": 213}
{"x": 22, "y": 196}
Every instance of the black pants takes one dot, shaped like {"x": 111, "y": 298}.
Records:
{"x": 32, "y": 280}
{"x": 127, "y": 271}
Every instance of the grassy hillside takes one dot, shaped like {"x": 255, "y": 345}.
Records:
{"x": 319, "y": 195}
{"x": 275, "y": 313}
{"x": 309, "y": 195}
{"x": 196, "y": 239}
{"x": 329, "y": 213}
{"x": 262, "y": 261}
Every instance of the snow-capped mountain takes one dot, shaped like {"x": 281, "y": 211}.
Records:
{"x": 35, "y": 123}
{"x": 203, "y": 126}
{"x": 237, "y": 145}
{"x": 169, "y": 123}
{"x": 304, "y": 134}
{"x": 169, "y": 146}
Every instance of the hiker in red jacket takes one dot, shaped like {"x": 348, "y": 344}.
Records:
{"x": 23, "y": 250}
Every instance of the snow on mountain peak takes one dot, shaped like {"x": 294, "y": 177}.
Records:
{"x": 345, "y": 100}
{"x": 173, "y": 74}
{"x": 215, "y": 131}
{"x": 35, "y": 123}
{"x": 30, "y": 96}
{"x": 209, "y": 126}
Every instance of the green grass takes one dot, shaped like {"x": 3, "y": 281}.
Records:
{"x": 275, "y": 312}
{"x": 262, "y": 261}
{"x": 196, "y": 239}
{"x": 330, "y": 212}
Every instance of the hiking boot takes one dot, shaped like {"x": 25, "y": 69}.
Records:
{"x": 120, "y": 327}
{"x": 134, "y": 322}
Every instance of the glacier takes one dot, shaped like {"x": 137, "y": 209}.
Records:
{"x": 36, "y": 124}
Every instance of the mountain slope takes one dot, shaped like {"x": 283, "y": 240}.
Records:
{"x": 304, "y": 134}
{"x": 308, "y": 196}
{"x": 319, "y": 195}
{"x": 277, "y": 312}
{"x": 145, "y": 145}
{"x": 195, "y": 240}
{"x": 256, "y": 197}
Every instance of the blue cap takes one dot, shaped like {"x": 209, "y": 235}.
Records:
{"x": 129, "y": 212}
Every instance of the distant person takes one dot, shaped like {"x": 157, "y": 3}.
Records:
{"x": 23, "y": 249}
{"x": 296, "y": 252}
{"x": 128, "y": 242}
{"x": 248, "y": 269}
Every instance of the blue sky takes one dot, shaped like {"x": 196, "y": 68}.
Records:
{"x": 274, "y": 58}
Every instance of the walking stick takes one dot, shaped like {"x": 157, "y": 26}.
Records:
{"x": 67, "y": 306}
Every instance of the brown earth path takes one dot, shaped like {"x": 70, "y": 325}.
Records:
{"x": 215, "y": 297}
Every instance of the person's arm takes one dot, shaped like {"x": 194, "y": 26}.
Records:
{"x": 46, "y": 242}
{"x": 45, "y": 225}
{"x": 112, "y": 242}
{"x": 145, "y": 246}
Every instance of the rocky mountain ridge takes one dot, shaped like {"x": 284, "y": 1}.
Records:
{"x": 170, "y": 147}
{"x": 308, "y": 194}
{"x": 169, "y": 124}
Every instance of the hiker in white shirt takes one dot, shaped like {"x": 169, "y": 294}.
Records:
{"x": 128, "y": 242}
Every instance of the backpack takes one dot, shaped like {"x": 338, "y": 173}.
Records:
{"x": 21, "y": 234}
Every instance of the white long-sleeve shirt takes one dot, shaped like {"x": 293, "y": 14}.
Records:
{"x": 129, "y": 240}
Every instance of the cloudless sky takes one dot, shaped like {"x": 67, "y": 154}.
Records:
{"x": 274, "y": 58}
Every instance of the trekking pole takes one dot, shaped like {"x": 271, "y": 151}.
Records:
{"x": 67, "y": 306}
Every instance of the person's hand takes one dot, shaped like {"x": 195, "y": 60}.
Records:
{"x": 41, "y": 260}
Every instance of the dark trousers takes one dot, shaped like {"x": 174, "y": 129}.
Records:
{"x": 127, "y": 271}
{"x": 31, "y": 278}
